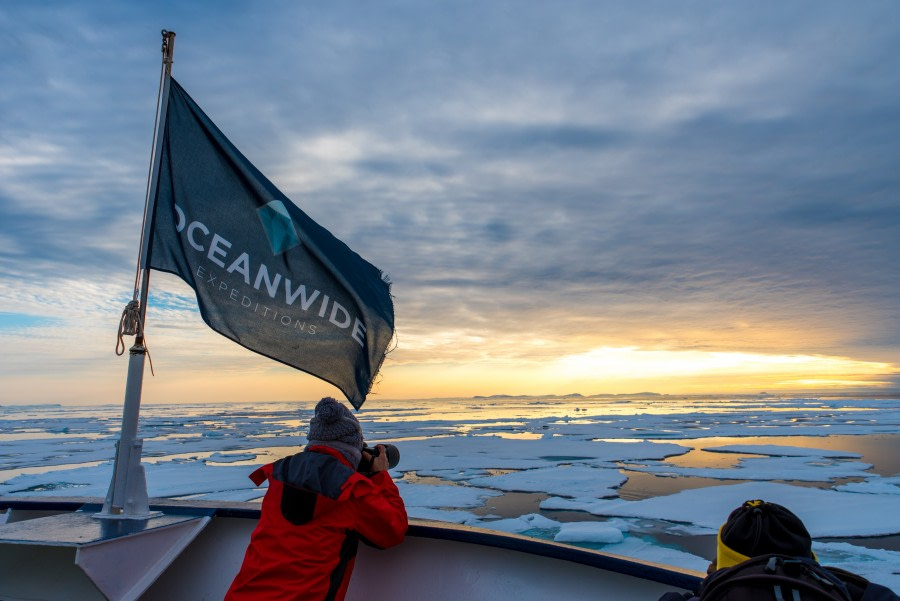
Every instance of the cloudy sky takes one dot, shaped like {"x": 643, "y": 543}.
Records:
{"x": 592, "y": 197}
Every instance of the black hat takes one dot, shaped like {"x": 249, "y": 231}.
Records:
{"x": 759, "y": 528}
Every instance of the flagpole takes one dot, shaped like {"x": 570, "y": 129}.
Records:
{"x": 127, "y": 497}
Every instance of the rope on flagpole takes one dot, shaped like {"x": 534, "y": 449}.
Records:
{"x": 132, "y": 324}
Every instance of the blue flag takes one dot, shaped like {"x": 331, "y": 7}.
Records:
{"x": 265, "y": 274}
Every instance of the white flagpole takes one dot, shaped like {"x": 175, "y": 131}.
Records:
{"x": 127, "y": 497}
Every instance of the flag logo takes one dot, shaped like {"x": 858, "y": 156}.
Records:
{"x": 279, "y": 227}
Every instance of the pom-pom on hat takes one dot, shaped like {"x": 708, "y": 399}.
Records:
{"x": 335, "y": 426}
{"x": 759, "y": 528}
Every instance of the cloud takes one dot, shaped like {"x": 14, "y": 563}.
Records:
{"x": 582, "y": 175}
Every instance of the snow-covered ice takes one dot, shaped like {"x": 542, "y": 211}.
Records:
{"x": 647, "y": 550}
{"x": 580, "y": 481}
{"x": 875, "y": 485}
{"x": 826, "y": 513}
{"x": 777, "y": 450}
{"x": 524, "y": 523}
{"x": 807, "y": 468}
{"x": 588, "y": 532}
{"x": 572, "y": 454}
{"x": 877, "y": 565}
{"x": 436, "y": 496}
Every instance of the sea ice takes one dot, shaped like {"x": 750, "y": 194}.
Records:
{"x": 648, "y": 550}
{"x": 453, "y": 516}
{"x": 824, "y": 512}
{"x": 524, "y": 523}
{"x": 877, "y": 565}
{"x": 457, "y": 454}
{"x": 164, "y": 479}
{"x": 575, "y": 481}
{"x": 777, "y": 450}
{"x": 806, "y": 468}
{"x": 426, "y": 457}
{"x": 877, "y": 485}
{"x": 437, "y": 496}
{"x": 218, "y": 457}
{"x": 588, "y": 532}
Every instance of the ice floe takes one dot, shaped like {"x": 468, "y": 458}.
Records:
{"x": 805, "y": 468}
{"x": 576, "y": 481}
{"x": 876, "y": 486}
{"x": 877, "y": 565}
{"x": 438, "y": 496}
{"x": 523, "y": 523}
{"x": 826, "y": 513}
{"x": 777, "y": 450}
{"x": 588, "y": 532}
{"x": 648, "y": 550}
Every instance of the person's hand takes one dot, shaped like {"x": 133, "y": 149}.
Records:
{"x": 380, "y": 462}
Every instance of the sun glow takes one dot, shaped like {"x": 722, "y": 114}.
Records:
{"x": 636, "y": 362}
{"x": 741, "y": 368}
{"x": 632, "y": 369}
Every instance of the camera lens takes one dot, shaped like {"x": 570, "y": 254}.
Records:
{"x": 392, "y": 452}
{"x": 393, "y": 455}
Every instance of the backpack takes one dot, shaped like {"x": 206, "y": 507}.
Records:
{"x": 774, "y": 578}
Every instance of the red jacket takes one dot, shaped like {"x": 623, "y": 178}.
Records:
{"x": 316, "y": 510}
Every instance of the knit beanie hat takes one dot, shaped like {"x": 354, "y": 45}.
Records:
{"x": 759, "y": 528}
{"x": 333, "y": 425}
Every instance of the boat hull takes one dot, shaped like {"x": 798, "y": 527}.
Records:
{"x": 437, "y": 561}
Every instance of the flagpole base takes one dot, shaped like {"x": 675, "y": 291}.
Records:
{"x": 127, "y": 497}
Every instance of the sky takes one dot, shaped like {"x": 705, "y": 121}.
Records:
{"x": 569, "y": 197}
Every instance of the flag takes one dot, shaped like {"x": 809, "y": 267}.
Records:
{"x": 265, "y": 275}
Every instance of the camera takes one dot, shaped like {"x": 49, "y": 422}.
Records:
{"x": 392, "y": 452}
